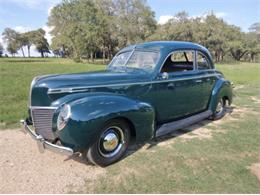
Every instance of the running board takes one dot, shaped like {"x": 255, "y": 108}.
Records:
{"x": 172, "y": 126}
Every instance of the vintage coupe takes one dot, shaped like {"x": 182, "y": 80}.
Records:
{"x": 148, "y": 90}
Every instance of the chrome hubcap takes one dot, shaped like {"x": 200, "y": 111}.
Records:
{"x": 219, "y": 107}
{"x": 111, "y": 141}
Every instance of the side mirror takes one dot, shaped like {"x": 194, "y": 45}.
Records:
{"x": 163, "y": 75}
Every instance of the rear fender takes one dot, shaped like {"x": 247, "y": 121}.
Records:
{"x": 222, "y": 89}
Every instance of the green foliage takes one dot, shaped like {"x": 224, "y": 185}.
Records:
{"x": 215, "y": 34}
{"x": 13, "y": 40}
{"x": 87, "y": 29}
{"x": 83, "y": 27}
{"x": 255, "y": 28}
{"x": 40, "y": 41}
{"x": 252, "y": 40}
{"x": 12, "y": 48}
{"x": 1, "y": 50}
{"x": 76, "y": 27}
{"x": 134, "y": 20}
{"x": 17, "y": 41}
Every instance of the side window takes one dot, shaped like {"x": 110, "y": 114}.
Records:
{"x": 202, "y": 62}
{"x": 179, "y": 61}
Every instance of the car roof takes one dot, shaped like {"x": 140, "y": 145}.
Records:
{"x": 166, "y": 46}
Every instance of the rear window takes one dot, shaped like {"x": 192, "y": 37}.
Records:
{"x": 179, "y": 61}
{"x": 202, "y": 62}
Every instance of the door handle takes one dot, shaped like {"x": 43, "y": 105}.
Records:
{"x": 198, "y": 81}
{"x": 171, "y": 86}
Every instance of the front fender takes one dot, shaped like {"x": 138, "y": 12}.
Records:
{"x": 90, "y": 113}
{"x": 222, "y": 88}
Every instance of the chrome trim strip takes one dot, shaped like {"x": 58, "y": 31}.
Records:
{"x": 43, "y": 107}
{"x": 167, "y": 128}
{"x": 196, "y": 60}
{"x": 43, "y": 144}
{"x": 86, "y": 88}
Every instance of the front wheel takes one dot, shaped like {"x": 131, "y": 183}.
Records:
{"x": 220, "y": 110}
{"x": 111, "y": 145}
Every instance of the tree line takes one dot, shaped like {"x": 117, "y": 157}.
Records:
{"x": 89, "y": 29}
{"x": 223, "y": 40}
{"x": 18, "y": 41}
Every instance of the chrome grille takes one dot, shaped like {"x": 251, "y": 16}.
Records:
{"x": 42, "y": 121}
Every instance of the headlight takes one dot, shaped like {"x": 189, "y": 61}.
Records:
{"x": 63, "y": 117}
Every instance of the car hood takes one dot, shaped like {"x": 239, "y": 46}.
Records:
{"x": 90, "y": 79}
{"x": 46, "y": 89}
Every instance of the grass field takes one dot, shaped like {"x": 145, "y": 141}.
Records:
{"x": 16, "y": 75}
{"x": 209, "y": 157}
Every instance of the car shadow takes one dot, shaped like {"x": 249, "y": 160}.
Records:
{"x": 174, "y": 134}
{"x": 80, "y": 158}
{"x": 134, "y": 147}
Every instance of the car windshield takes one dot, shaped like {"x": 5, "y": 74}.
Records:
{"x": 135, "y": 60}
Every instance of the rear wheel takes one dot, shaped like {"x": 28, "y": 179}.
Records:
{"x": 220, "y": 110}
{"x": 111, "y": 145}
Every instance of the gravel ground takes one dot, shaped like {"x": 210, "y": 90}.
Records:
{"x": 24, "y": 170}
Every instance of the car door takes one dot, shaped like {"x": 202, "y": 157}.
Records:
{"x": 179, "y": 93}
{"x": 206, "y": 78}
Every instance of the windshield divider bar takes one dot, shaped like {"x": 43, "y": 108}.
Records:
{"x": 129, "y": 57}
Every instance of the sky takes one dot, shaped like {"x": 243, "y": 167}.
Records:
{"x": 25, "y": 15}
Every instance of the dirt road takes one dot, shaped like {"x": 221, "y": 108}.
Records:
{"x": 24, "y": 170}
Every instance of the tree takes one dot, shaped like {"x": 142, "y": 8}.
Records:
{"x": 236, "y": 43}
{"x": 62, "y": 47}
{"x": 21, "y": 42}
{"x": 108, "y": 39}
{"x": 39, "y": 40}
{"x": 255, "y": 28}
{"x": 178, "y": 28}
{"x": 11, "y": 37}
{"x": 12, "y": 48}
{"x": 83, "y": 27}
{"x": 134, "y": 20}
{"x": 252, "y": 40}
{"x": 213, "y": 33}
{"x": 28, "y": 41}
{"x": 14, "y": 40}
{"x": 76, "y": 26}
{"x": 56, "y": 53}
{"x": 1, "y": 50}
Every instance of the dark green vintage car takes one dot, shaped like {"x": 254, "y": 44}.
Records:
{"x": 148, "y": 90}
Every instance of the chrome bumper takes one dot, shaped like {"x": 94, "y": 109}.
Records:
{"x": 43, "y": 144}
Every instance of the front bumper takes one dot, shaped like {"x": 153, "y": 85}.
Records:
{"x": 43, "y": 144}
